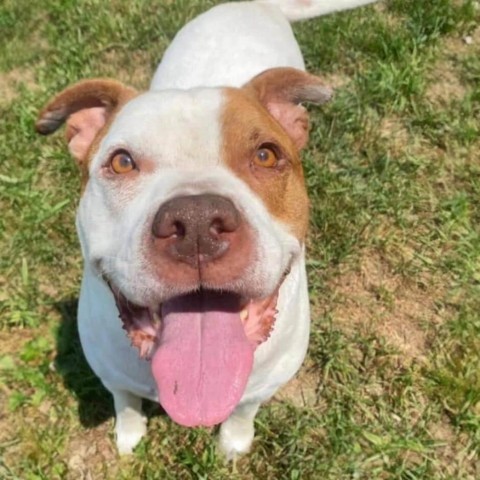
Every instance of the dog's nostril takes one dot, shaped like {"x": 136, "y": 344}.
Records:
{"x": 180, "y": 230}
{"x": 166, "y": 225}
{"x": 226, "y": 222}
{"x": 217, "y": 227}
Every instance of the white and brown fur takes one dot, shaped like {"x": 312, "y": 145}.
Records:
{"x": 196, "y": 131}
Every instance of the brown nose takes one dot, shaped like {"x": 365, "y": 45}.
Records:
{"x": 196, "y": 228}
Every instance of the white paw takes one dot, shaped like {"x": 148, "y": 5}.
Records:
{"x": 236, "y": 438}
{"x": 129, "y": 429}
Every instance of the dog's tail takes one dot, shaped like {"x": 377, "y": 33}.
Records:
{"x": 303, "y": 9}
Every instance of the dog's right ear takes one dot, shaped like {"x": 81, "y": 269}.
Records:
{"x": 282, "y": 91}
{"x": 86, "y": 107}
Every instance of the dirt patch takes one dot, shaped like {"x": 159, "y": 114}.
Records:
{"x": 372, "y": 298}
{"x": 442, "y": 431}
{"x": 3, "y": 289}
{"x": 13, "y": 340}
{"x": 445, "y": 83}
{"x": 11, "y": 81}
{"x": 393, "y": 136}
{"x": 392, "y": 20}
{"x": 302, "y": 390}
{"x": 90, "y": 452}
{"x": 452, "y": 451}
{"x": 397, "y": 138}
{"x": 335, "y": 80}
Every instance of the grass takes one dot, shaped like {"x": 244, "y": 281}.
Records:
{"x": 391, "y": 385}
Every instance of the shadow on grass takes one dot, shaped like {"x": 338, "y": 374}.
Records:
{"x": 95, "y": 403}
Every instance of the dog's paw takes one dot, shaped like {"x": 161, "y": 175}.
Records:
{"x": 235, "y": 438}
{"x": 129, "y": 430}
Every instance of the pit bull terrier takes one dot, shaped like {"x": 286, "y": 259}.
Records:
{"x": 192, "y": 220}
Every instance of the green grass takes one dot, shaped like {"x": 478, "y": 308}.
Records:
{"x": 392, "y": 380}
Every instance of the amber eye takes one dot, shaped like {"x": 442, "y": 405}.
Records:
{"x": 122, "y": 162}
{"x": 265, "y": 157}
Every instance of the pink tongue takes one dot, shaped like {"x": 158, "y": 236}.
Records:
{"x": 204, "y": 359}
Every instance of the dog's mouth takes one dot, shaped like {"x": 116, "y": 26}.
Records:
{"x": 201, "y": 346}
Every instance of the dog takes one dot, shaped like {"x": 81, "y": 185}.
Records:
{"x": 192, "y": 220}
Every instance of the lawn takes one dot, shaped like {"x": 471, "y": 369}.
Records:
{"x": 391, "y": 385}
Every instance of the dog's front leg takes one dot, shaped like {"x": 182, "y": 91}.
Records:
{"x": 130, "y": 424}
{"x": 237, "y": 432}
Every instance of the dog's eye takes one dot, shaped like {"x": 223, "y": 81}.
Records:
{"x": 122, "y": 162}
{"x": 265, "y": 157}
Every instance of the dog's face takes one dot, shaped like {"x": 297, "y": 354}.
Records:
{"x": 193, "y": 210}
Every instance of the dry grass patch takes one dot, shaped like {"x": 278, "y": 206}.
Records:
{"x": 396, "y": 137}
{"x": 449, "y": 443}
{"x": 14, "y": 339}
{"x": 445, "y": 83}
{"x": 12, "y": 80}
{"x": 335, "y": 80}
{"x": 373, "y": 298}
{"x": 303, "y": 389}
{"x": 400, "y": 142}
{"x": 90, "y": 452}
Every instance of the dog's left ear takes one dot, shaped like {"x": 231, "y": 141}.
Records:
{"x": 282, "y": 91}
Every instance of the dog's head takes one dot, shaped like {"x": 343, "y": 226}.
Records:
{"x": 193, "y": 210}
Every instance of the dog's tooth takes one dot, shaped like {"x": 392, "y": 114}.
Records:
{"x": 243, "y": 314}
{"x": 156, "y": 317}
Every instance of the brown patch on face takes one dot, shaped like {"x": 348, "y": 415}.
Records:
{"x": 247, "y": 126}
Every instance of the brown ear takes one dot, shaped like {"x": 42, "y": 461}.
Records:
{"x": 282, "y": 90}
{"x": 86, "y": 107}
